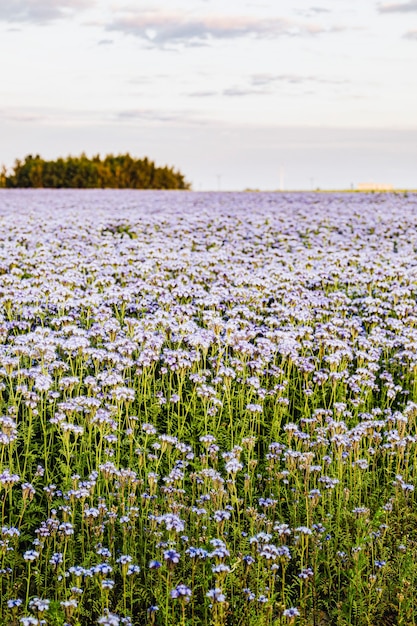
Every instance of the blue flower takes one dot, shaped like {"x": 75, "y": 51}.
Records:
{"x": 291, "y": 613}
{"x": 181, "y": 592}
{"x": 216, "y": 595}
{"x": 171, "y": 557}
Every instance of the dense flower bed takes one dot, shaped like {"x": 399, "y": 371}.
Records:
{"x": 208, "y": 408}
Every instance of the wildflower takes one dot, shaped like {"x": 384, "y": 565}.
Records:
{"x": 216, "y": 595}
{"x": 220, "y": 552}
{"x": 43, "y": 382}
{"x": 7, "y": 479}
{"x": 248, "y": 559}
{"x": 254, "y": 408}
{"x": 171, "y": 522}
{"x": 221, "y": 568}
{"x": 39, "y": 605}
{"x": 124, "y": 559}
{"x": 306, "y": 573}
{"x": 39, "y": 471}
{"x": 12, "y": 604}
{"x": 77, "y": 570}
{"x": 10, "y": 531}
{"x": 103, "y": 552}
{"x": 249, "y": 594}
{"x": 181, "y": 592}
{"x": 103, "y": 569}
{"x": 207, "y": 439}
{"x": 267, "y": 503}
{"x": 360, "y": 511}
{"x": 221, "y": 516}
{"x": 28, "y": 491}
{"x": 284, "y": 553}
{"x": 69, "y": 604}
{"x": 233, "y": 466}
{"x": 197, "y": 553}
{"x": 283, "y": 530}
{"x": 153, "y": 609}
{"x": 109, "y": 619}
{"x": 171, "y": 557}
{"x": 291, "y": 613}
{"x": 149, "y": 429}
{"x": 66, "y": 529}
{"x": 314, "y": 495}
{"x": 107, "y": 584}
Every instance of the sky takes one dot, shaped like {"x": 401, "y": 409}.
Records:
{"x": 290, "y": 94}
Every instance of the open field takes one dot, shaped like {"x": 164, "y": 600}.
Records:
{"x": 208, "y": 408}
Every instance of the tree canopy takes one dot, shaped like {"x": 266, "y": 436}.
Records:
{"x": 113, "y": 171}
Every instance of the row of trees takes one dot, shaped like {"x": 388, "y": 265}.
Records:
{"x": 116, "y": 172}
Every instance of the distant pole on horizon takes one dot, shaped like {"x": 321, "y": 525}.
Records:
{"x": 219, "y": 181}
{"x": 281, "y": 178}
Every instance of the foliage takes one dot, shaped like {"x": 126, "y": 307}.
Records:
{"x": 117, "y": 172}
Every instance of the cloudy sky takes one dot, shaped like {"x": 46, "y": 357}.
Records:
{"x": 237, "y": 94}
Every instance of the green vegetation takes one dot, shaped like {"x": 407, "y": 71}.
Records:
{"x": 116, "y": 172}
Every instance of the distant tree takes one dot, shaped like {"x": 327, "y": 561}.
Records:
{"x": 117, "y": 172}
{"x": 3, "y": 176}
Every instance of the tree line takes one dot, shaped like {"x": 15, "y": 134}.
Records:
{"x": 113, "y": 171}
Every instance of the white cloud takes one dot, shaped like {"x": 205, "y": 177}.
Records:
{"x": 399, "y": 7}
{"x": 319, "y": 10}
{"x": 242, "y": 91}
{"x": 158, "y": 116}
{"x": 293, "y": 79}
{"x": 202, "y": 94}
{"x": 162, "y": 27}
{"x": 20, "y": 116}
{"x": 40, "y": 11}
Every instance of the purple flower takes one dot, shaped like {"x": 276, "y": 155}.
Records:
{"x": 216, "y": 595}
{"x": 181, "y": 592}
{"x": 171, "y": 557}
{"x": 153, "y": 609}
{"x": 291, "y": 613}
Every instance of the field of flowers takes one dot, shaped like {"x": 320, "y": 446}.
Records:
{"x": 208, "y": 409}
